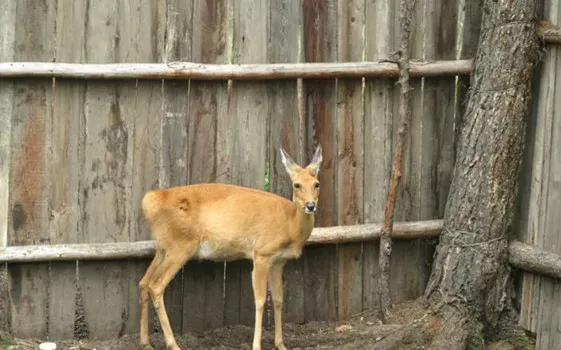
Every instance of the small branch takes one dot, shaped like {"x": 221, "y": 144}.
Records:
{"x": 405, "y": 19}
{"x": 534, "y": 259}
{"x": 198, "y": 71}
{"x": 146, "y": 249}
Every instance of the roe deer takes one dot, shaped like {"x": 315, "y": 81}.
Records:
{"x": 223, "y": 222}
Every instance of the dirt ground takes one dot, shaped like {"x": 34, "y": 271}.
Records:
{"x": 360, "y": 332}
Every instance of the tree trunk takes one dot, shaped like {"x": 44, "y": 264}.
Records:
{"x": 471, "y": 275}
{"x": 470, "y": 290}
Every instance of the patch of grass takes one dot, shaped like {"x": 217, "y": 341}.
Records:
{"x": 6, "y": 342}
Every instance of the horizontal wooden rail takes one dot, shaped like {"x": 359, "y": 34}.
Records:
{"x": 146, "y": 249}
{"x": 521, "y": 255}
{"x": 531, "y": 258}
{"x": 199, "y": 71}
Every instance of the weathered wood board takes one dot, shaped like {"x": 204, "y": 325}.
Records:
{"x": 249, "y": 113}
{"x": 287, "y": 130}
{"x": 319, "y": 43}
{"x": 7, "y": 53}
{"x": 67, "y": 134}
{"x": 540, "y": 194}
{"x": 30, "y": 167}
{"x": 350, "y": 156}
{"x": 203, "y": 282}
{"x": 379, "y": 117}
{"x": 174, "y": 133}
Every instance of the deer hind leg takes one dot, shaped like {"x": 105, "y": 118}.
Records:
{"x": 275, "y": 282}
{"x": 175, "y": 257}
{"x": 144, "y": 296}
{"x": 259, "y": 277}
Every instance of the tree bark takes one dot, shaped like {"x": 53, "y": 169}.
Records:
{"x": 471, "y": 275}
{"x": 470, "y": 291}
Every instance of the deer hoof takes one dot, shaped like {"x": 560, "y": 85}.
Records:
{"x": 147, "y": 347}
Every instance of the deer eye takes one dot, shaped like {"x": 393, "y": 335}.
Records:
{"x": 316, "y": 185}
{"x": 297, "y": 186}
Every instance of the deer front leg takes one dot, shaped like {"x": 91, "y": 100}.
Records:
{"x": 275, "y": 281}
{"x": 259, "y": 276}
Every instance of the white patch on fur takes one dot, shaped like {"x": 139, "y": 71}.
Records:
{"x": 286, "y": 253}
{"x": 205, "y": 251}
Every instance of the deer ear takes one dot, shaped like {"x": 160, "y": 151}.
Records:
{"x": 315, "y": 164}
{"x": 289, "y": 164}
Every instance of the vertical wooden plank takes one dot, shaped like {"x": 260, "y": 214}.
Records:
{"x": 204, "y": 280}
{"x": 378, "y": 142}
{"x": 537, "y": 305}
{"x": 29, "y": 292}
{"x": 7, "y": 51}
{"x": 174, "y": 132}
{"x": 446, "y": 106}
{"x": 532, "y": 230}
{"x": 285, "y": 125}
{"x": 121, "y": 136}
{"x": 29, "y": 221}
{"x": 433, "y": 141}
{"x": 320, "y": 45}
{"x": 249, "y": 110}
{"x": 105, "y": 207}
{"x": 145, "y": 115}
{"x": 173, "y": 172}
{"x": 211, "y": 101}
{"x": 5, "y": 309}
{"x": 141, "y": 41}
{"x": 105, "y": 300}
{"x": 548, "y": 326}
{"x": 62, "y": 310}
{"x": 65, "y": 155}
{"x": 320, "y": 283}
{"x": 350, "y": 161}
{"x": 29, "y": 209}
{"x": 106, "y": 182}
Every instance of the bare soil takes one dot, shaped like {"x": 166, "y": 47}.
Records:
{"x": 360, "y": 332}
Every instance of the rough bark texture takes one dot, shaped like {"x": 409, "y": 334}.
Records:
{"x": 471, "y": 275}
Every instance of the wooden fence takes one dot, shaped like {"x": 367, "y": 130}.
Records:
{"x": 540, "y": 202}
{"x": 77, "y": 155}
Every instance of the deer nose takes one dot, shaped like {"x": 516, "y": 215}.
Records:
{"x": 310, "y": 206}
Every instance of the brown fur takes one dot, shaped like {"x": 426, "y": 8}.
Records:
{"x": 224, "y": 222}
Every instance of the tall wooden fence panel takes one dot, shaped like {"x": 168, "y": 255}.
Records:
{"x": 540, "y": 195}
{"x": 80, "y": 154}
